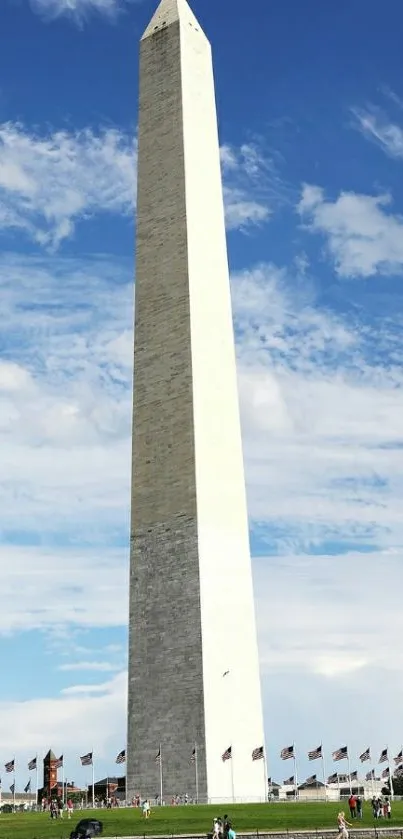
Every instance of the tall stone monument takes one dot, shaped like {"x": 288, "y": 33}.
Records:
{"x": 194, "y": 681}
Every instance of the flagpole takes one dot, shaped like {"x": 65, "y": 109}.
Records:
{"x": 36, "y": 783}
{"x": 14, "y": 784}
{"x": 161, "y": 777}
{"x": 392, "y": 791}
{"x": 63, "y": 788}
{"x": 232, "y": 775}
{"x": 197, "y": 774}
{"x": 295, "y": 772}
{"x": 266, "y": 791}
{"x": 93, "y": 781}
{"x": 349, "y": 771}
{"x": 324, "y": 771}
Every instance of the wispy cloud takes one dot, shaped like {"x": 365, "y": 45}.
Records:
{"x": 89, "y": 666}
{"x": 79, "y": 10}
{"x": 48, "y": 183}
{"x": 93, "y": 593}
{"x": 375, "y": 125}
{"x": 91, "y": 716}
{"x": 362, "y": 236}
{"x": 320, "y": 413}
{"x": 321, "y": 400}
{"x": 252, "y": 185}
{"x": 320, "y": 417}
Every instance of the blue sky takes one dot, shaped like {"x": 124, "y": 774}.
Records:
{"x": 310, "y": 106}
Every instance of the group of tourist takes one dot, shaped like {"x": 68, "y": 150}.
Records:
{"x": 223, "y": 829}
{"x": 355, "y": 806}
{"x": 381, "y": 808}
{"x": 56, "y": 807}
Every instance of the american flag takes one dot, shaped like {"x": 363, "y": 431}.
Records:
{"x": 311, "y": 779}
{"x": 28, "y": 787}
{"x": 385, "y": 773}
{"x": 121, "y": 758}
{"x": 365, "y": 755}
{"x": 12, "y": 788}
{"x": 32, "y": 764}
{"x": 315, "y": 754}
{"x": 354, "y": 776}
{"x": 193, "y": 755}
{"x": 399, "y": 771}
{"x": 287, "y": 752}
{"x": 227, "y": 754}
{"x": 332, "y": 779}
{"x": 10, "y": 766}
{"x": 340, "y": 754}
{"x": 86, "y": 760}
{"x": 384, "y": 756}
{"x": 290, "y": 781}
{"x": 269, "y": 782}
{"x": 370, "y": 776}
{"x": 258, "y": 754}
{"x": 399, "y": 758}
{"x": 158, "y": 757}
{"x": 58, "y": 764}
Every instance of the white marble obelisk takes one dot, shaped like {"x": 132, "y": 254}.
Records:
{"x": 193, "y": 657}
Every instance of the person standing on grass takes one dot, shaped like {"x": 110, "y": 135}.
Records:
{"x": 352, "y": 803}
{"x": 342, "y": 825}
{"x": 146, "y": 809}
{"x": 359, "y": 807}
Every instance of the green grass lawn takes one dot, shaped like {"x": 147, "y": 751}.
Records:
{"x": 182, "y": 820}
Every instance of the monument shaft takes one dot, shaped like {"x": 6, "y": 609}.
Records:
{"x": 191, "y": 596}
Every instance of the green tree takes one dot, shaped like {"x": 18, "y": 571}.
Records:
{"x": 398, "y": 785}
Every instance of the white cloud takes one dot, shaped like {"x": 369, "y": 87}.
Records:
{"x": 252, "y": 185}
{"x": 89, "y": 666}
{"x": 362, "y": 237}
{"x": 78, "y": 588}
{"x": 329, "y": 641}
{"x": 376, "y": 126}
{"x": 89, "y": 717}
{"x": 241, "y": 212}
{"x": 333, "y": 624}
{"x": 322, "y": 434}
{"x": 321, "y": 423}
{"x": 48, "y": 183}
{"x": 78, "y": 9}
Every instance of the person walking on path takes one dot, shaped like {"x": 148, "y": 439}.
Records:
{"x": 342, "y": 825}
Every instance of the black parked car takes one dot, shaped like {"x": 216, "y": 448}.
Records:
{"x": 87, "y": 829}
